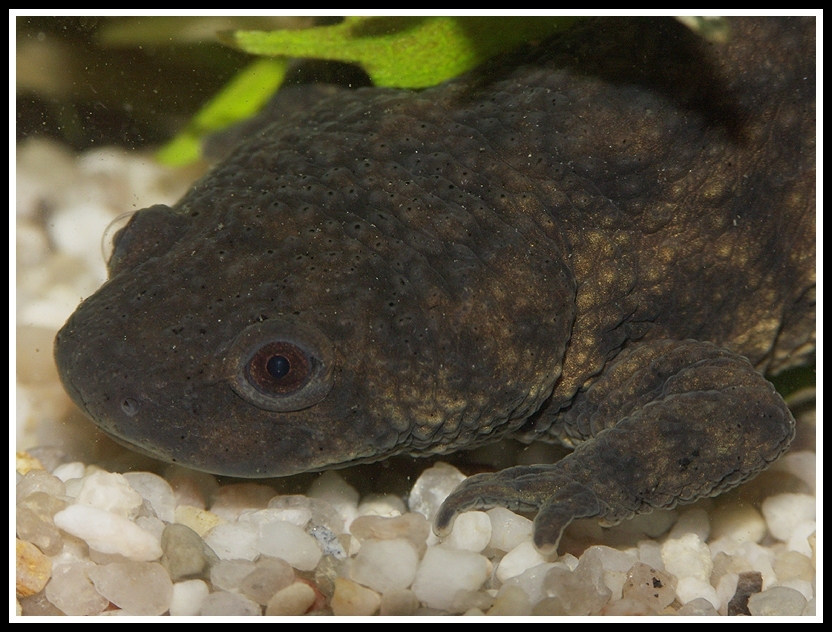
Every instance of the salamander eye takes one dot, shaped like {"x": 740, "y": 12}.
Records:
{"x": 279, "y": 368}
{"x": 281, "y": 365}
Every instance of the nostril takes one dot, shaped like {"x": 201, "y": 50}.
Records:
{"x": 130, "y": 406}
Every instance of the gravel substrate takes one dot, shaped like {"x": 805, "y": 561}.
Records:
{"x": 358, "y": 542}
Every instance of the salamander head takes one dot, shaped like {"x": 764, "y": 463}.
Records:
{"x": 245, "y": 340}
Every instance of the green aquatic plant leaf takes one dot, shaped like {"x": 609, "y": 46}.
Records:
{"x": 243, "y": 97}
{"x": 414, "y": 52}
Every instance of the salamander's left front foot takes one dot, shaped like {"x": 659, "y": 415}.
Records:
{"x": 669, "y": 422}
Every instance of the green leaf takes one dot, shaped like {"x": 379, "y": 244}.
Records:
{"x": 413, "y": 52}
{"x": 404, "y": 52}
{"x": 243, "y": 97}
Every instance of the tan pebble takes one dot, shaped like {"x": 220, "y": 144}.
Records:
{"x": 33, "y": 569}
{"x": 654, "y": 588}
{"x": 398, "y": 603}
{"x": 511, "y": 601}
{"x": 25, "y": 462}
{"x": 626, "y": 608}
{"x": 293, "y": 600}
{"x": 200, "y": 520}
{"x": 352, "y": 599}
{"x": 412, "y": 526}
{"x": 793, "y": 565}
{"x": 320, "y": 602}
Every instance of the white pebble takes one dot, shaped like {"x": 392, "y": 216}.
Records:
{"x": 802, "y": 586}
{"x": 692, "y": 521}
{"x": 616, "y": 564}
{"x": 71, "y": 590}
{"x": 155, "y": 490}
{"x": 799, "y": 540}
{"x": 188, "y": 597}
{"x": 472, "y": 532}
{"x": 140, "y": 588}
{"x": 650, "y": 553}
{"x": 226, "y": 604}
{"x": 698, "y": 608}
{"x": 687, "y": 556}
{"x": 691, "y": 588}
{"x": 760, "y": 559}
{"x": 322, "y": 513}
{"x": 725, "y": 589}
{"x": 520, "y": 559}
{"x": 67, "y": 471}
{"x": 385, "y": 565}
{"x": 777, "y": 601}
{"x": 431, "y": 488}
{"x": 580, "y": 592}
{"x": 445, "y": 571}
{"x": 801, "y": 464}
{"x": 108, "y": 533}
{"x": 385, "y": 505}
{"x": 234, "y": 541}
{"x": 110, "y": 492}
{"x": 332, "y": 488}
{"x": 531, "y": 581}
{"x": 742, "y": 523}
{"x": 265, "y": 581}
{"x": 298, "y": 516}
{"x": 290, "y": 543}
{"x": 39, "y": 481}
{"x": 508, "y": 529}
{"x": 784, "y": 512}
{"x": 77, "y": 228}
{"x": 229, "y": 574}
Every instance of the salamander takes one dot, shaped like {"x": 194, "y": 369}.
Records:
{"x": 603, "y": 240}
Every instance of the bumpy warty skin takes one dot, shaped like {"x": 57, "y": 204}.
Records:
{"x": 581, "y": 242}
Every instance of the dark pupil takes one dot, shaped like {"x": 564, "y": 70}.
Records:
{"x": 278, "y": 366}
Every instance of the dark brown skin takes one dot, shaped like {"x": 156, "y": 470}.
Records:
{"x": 582, "y": 243}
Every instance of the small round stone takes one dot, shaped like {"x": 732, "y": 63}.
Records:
{"x": 293, "y": 600}
{"x": 185, "y": 554}
{"x": 188, "y": 597}
{"x": 649, "y": 586}
{"x": 290, "y": 543}
{"x": 226, "y": 604}
{"x": 472, "y": 532}
{"x": 33, "y": 569}
{"x": 398, "y": 603}
{"x": 777, "y": 601}
{"x": 687, "y": 556}
{"x": 385, "y": 565}
{"x": 109, "y": 533}
{"x": 520, "y": 559}
{"x": 139, "y": 588}
{"x": 508, "y": 529}
{"x": 72, "y": 591}
{"x": 351, "y": 599}
{"x": 443, "y": 572}
{"x": 785, "y": 512}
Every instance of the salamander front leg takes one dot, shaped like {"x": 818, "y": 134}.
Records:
{"x": 668, "y": 422}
